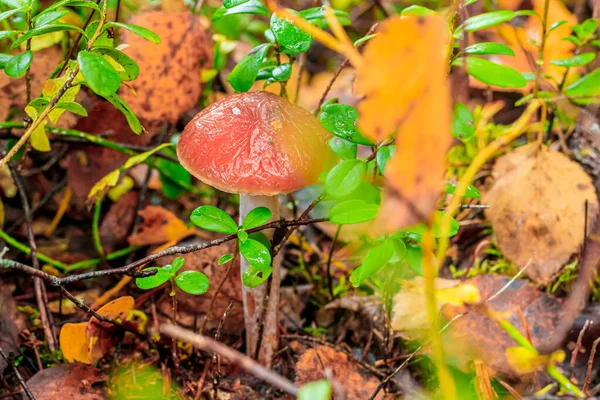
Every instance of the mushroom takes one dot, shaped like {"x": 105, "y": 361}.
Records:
{"x": 258, "y": 145}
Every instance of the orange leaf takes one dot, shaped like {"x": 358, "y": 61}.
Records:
{"x": 74, "y": 342}
{"x": 159, "y": 226}
{"x": 118, "y": 308}
{"x": 405, "y": 88}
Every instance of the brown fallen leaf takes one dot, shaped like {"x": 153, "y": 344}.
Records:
{"x": 357, "y": 384}
{"x": 537, "y": 208}
{"x": 476, "y": 336}
{"x": 169, "y": 83}
{"x": 68, "y": 381}
{"x": 117, "y": 222}
{"x": 9, "y": 332}
{"x": 408, "y": 57}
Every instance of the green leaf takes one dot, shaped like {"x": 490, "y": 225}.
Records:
{"x": 414, "y": 257}
{"x": 99, "y": 75}
{"x": 282, "y": 72}
{"x": 293, "y": 39}
{"x": 488, "y": 20}
{"x": 589, "y": 85}
{"x": 252, "y": 7}
{"x": 316, "y": 16}
{"x": 317, "y": 390}
{"x": 489, "y": 48}
{"x": 345, "y": 177}
{"x": 46, "y": 18}
{"x": 462, "y": 122}
{"x": 586, "y": 29}
{"x": 373, "y": 262}
{"x": 4, "y": 59}
{"x": 419, "y": 229}
{"x": 192, "y": 282}
{"x": 132, "y": 119}
{"x": 244, "y": 74}
{"x": 418, "y": 11}
{"x": 384, "y": 154}
{"x": 255, "y": 253}
{"x": 471, "y": 193}
{"x": 72, "y": 106}
{"x": 131, "y": 70}
{"x": 151, "y": 282}
{"x": 364, "y": 39}
{"x": 343, "y": 149}
{"x": 213, "y": 219}
{"x": 17, "y": 65}
{"x": 341, "y": 121}
{"x": 253, "y": 277}
{"x": 71, "y": 3}
{"x": 14, "y": 3}
{"x": 353, "y": 212}
{"x": 556, "y": 25}
{"x": 175, "y": 266}
{"x": 6, "y": 14}
{"x": 172, "y": 175}
{"x": 138, "y": 30}
{"x": 242, "y": 235}
{"x": 262, "y": 238}
{"x": 6, "y": 34}
{"x": 256, "y": 217}
{"x": 225, "y": 258}
{"x": 494, "y": 74}
{"x": 42, "y": 30}
{"x": 575, "y": 61}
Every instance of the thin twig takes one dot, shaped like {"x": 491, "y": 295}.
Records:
{"x": 329, "y": 277}
{"x": 39, "y": 288}
{"x": 577, "y": 348}
{"x": 588, "y": 375}
{"x": 17, "y": 375}
{"x": 247, "y": 363}
{"x": 215, "y": 359}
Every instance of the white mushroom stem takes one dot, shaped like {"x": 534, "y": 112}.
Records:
{"x": 254, "y": 298}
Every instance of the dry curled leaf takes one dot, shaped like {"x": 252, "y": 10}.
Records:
{"x": 68, "y": 381}
{"x": 357, "y": 383}
{"x": 169, "y": 83}
{"x": 537, "y": 208}
{"x": 404, "y": 82}
{"x": 159, "y": 226}
{"x": 476, "y": 336}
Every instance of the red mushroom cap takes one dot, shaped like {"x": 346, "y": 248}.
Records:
{"x": 257, "y": 144}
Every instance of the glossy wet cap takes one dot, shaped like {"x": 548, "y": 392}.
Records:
{"x": 255, "y": 143}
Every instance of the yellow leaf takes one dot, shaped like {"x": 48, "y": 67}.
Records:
{"x": 406, "y": 91}
{"x": 525, "y": 361}
{"x": 159, "y": 226}
{"x": 51, "y": 88}
{"x": 74, "y": 342}
{"x": 118, "y": 309}
{"x": 409, "y": 310}
{"x": 39, "y": 138}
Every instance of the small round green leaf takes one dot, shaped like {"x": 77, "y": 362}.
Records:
{"x": 99, "y": 75}
{"x": 342, "y": 148}
{"x": 256, "y": 217}
{"x": 242, "y": 235}
{"x": 375, "y": 259}
{"x": 471, "y": 193}
{"x": 225, "y": 258}
{"x": 244, "y": 74}
{"x": 176, "y": 265}
{"x": 487, "y": 20}
{"x": 353, "y": 212}
{"x": 484, "y": 48}
{"x": 341, "y": 121}
{"x": 463, "y": 127}
{"x": 293, "y": 39}
{"x": 494, "y": 74}
{"x": 282, "y": 72}
{"x": 575, "y": 61}
{"x": 151, "y": 282}
{"x": 345, "y": 177}
{"x": 192, "y": 282}
{"x": 255, "y": 253}
{"x": 213, "y": 219}
{"x": 17, "y": 65}
{"x": 384, "y": 154}
{"x": 253, "y": 276}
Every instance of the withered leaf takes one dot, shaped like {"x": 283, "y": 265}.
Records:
{"x": 169, "y": 83}
{"x": 537, "y": 208}
{"x": 74, "y": 381}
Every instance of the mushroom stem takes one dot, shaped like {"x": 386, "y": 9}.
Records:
{"x": 254, "y": 298}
